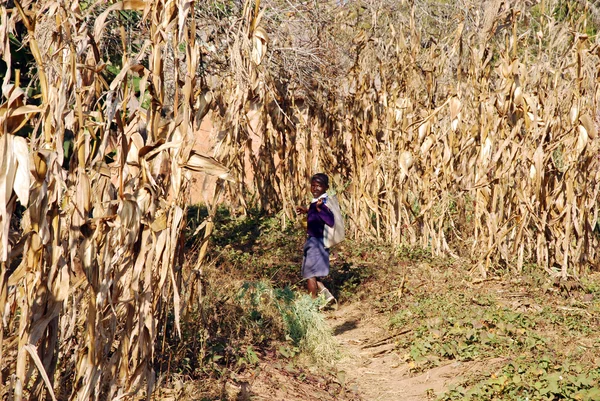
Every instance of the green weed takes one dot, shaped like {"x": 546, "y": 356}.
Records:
{"x": 451, "y": 331}
{"x": 525, "y": 381}
{"x": 543, "y": 336}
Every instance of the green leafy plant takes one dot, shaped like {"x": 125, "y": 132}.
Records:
{"x": 525, "y": 381}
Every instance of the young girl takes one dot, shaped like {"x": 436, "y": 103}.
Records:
{"x": 316, "y": 257}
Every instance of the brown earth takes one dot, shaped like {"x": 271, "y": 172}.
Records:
{"x": 370, "y": 369}
{"x": 374, "y": 368}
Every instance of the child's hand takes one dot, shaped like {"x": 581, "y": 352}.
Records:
{"x": 301, "y": 210}
{"x": 319, "y": 204}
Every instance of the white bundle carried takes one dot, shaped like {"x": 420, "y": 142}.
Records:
{"x": 336, "y": 234}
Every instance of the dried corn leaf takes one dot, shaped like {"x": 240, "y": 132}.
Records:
{"x": 209, "y": 165}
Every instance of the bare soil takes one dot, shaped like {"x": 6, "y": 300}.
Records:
{"x": 376, "y": 371}
{"x": 275, "y": 382}
{"x": 370, "y": 368}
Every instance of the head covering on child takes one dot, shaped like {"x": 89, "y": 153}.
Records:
{"x": 321, "y": 179}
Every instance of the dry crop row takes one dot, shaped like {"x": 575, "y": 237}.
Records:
{"x": 470, "y": 131}
{"x": 90, "y": 238}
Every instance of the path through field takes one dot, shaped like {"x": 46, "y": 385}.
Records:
{"x": 377, "y": 373}
{"x": 370, "y": 369}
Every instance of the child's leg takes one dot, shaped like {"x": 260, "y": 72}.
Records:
{"x": 311, "y": 283}
{"x": 325, "y": 294}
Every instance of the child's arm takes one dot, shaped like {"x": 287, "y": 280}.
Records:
{"x": 301, "y": 210}
{"x": 324, "y": 213}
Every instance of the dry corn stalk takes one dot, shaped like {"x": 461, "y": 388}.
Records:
{"x": 89, "y": 238}
{"x": 479, "y": 145}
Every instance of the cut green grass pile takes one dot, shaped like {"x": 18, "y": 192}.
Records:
{"x": 304, "y": 325}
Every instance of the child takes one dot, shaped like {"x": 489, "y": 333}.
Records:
{"x": 316, "y": 257}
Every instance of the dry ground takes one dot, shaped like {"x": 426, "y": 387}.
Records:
{"x": 412, "y": 327}
{"x": 378, "y": 372}
{"x": 369, "y": 369}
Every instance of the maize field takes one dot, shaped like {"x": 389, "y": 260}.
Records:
{"x": 469, "y": 129}
{"x": 472, "y": 133}
{"x": 91, "y": 265}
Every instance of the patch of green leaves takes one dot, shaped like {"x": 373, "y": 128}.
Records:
{"x": 544, "y": 340}
{"x": 525, "y": 381}
{"x": 414, "y": 254}
{"x": 465, "y": 334}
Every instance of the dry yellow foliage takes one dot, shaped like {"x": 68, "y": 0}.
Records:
{"x": 89, "y": 240}
{"x": 454, "y": 130}
{"x": 467, "y": 129}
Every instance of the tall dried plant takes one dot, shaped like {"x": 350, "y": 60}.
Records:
{"x": 89, "y": 239}
{"x": 466, "y": 128}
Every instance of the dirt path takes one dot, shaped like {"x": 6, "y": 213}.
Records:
{"x": 370, "y": 369}
{"x": 375, "y": 371}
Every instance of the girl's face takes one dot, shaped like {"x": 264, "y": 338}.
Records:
{"x": 317, "y": 189}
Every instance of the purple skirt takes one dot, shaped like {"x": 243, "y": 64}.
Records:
{"x": 316, "y": 258}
